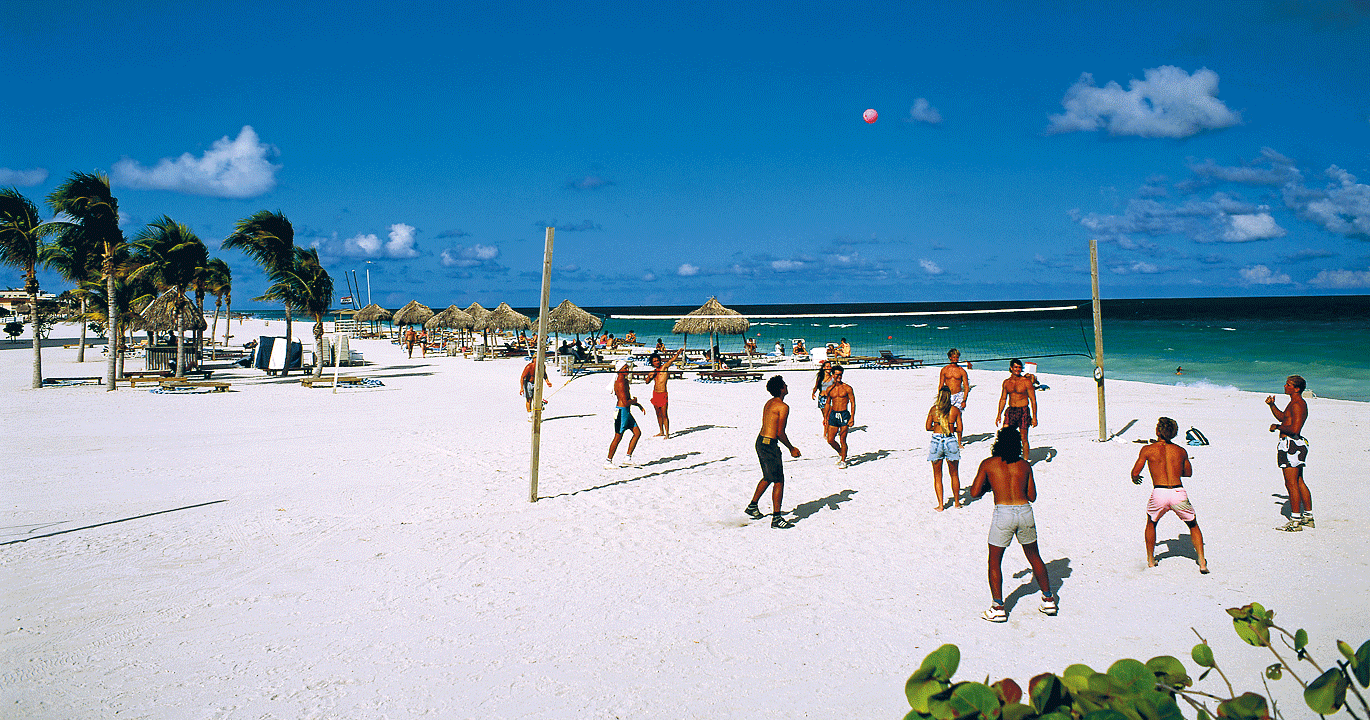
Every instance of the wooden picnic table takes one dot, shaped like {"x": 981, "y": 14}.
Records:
{"x": 54, "y": 380}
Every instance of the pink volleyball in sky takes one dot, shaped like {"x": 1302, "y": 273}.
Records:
{"x": 870, "y": 116}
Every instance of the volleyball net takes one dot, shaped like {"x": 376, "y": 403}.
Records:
{"x": 981, "y": 334}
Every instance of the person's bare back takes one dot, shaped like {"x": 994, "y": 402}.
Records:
{"x": 1012, "y": 483}
{"x": 1165, "y": 461}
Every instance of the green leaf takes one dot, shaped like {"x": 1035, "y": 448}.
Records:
{"x": 1248, "y": 706}
{"x": 1300, "y": 639}
{"x": 915, "y": 715}
{"x": 1131, "y": 675}
{"x": 1205, "y": 674}
{"x": 1362, "y": 665}
{"x": 1327, "y": 694}
{"x": 1076, "y": 677}
{"x": 1203, "y": 655}
{"x": 1106, "y": 714}
{"x": 1017, "y": 711}
{"x": 940, "y": 664}
{"x": 1170, "y": 671}
{"x": 1047, "y": 693}
{"x": 919, "y": 693}
{"x": 1275, "y": 672}
{"x": 1347, "y": 652}
{"x": 976, "y": 697}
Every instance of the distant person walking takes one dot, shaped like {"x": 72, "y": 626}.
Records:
{"x": 944, "y": 420}
{"x": 410, "y": 337}
{"x": 1020, "y": 394}
{"x": 1010, "y": 476}
{"x": 775, "y": 414}
{"x": 1292, "y": 451}
{"x": 841, "y": 414}
{"x": 623, "y": 415}
{"x": 954, "y": 377}
{"x": 820, "y": 393}
{"x": 528, "y": 384}
{"x": 1167, "y": 463}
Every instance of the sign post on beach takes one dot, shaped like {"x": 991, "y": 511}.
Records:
{"x": 1098, "y": 336}
{"x": 539, "y": 371}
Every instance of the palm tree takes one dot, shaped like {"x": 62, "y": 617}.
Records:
{"x": 268, "y": 238}
{"x": 21, "y": 241}
{"x": 218, "y": 281}
{"x": 307, "y": 286}
{"x": 85, "y": 198}
{"x": 172, "y": 257}
{"x": 75, "y": 257}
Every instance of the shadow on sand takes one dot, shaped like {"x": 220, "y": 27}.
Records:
{"x": 643, "y": 477}
{"x": 1043, "y": 453}
{"x": 831, "y": 502}
{"x": 1057, "y": 570}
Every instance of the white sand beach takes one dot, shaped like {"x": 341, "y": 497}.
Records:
{"x": 277, "y": 551}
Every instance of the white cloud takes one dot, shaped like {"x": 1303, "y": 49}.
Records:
{"x": 1341, "y": 279}
{"x": 400, "y": 246}
{"x": 649, "y": 277}
{"x": 930, "y": 267}
{"x": 1137, "y": 268}
{"x": 236, "y": 168}
{"x": 22, "y": 178}
{"x": 475, "y": 255}
{"x": 1344, "y": 207}
{"x": 1261, "y": 275}
{"x": 687, "y": 270}
{"x": 1258, "y": 226}
{"x": 786, "y": 265}
{"x": 923, "y": 111}
{"x": 1168, "y": 103}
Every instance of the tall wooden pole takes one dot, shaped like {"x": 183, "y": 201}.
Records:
{"x": 1098, "y": 336}
{"x": 539, "y": 372}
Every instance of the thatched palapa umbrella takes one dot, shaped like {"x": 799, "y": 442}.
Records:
{"x": 372, "y": 313}
{"x": 415, "y": 313}
{"x": 569, "y": 319}
{"x": 453, "y": 317}
{"x": 714, "y": 319}
{"x": 504, "y": 318}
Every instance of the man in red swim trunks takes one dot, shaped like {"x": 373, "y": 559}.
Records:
{"x": 658, "y": 377}
{"x": 1167, "y": 463}
{"x": 1020, "y": 396}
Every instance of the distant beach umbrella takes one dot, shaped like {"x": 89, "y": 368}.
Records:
{"x": 160, "y": 315}
{"x": 712, "y": 318}
{"x": 476, "y": 311}
{"x": 504, "y": 318}
{"x": 571, "y": 320}
{"x": 870, "y": 116}
{"x": 415, "y": 313}
{"x": 453, "y": 317}
{"x": 372, "y": 313}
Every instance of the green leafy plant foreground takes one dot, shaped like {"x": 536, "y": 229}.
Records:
{"x": 1155, "y": 690}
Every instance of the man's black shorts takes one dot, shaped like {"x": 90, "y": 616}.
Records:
{"x": 768, "y": 452}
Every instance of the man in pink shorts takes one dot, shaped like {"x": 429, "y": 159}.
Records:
{"x": 1167, "y": 463}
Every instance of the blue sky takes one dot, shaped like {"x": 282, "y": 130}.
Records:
{"x": 697, "y": 149}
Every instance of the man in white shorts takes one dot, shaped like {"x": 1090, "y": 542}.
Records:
{"x": 1010, "y": 476}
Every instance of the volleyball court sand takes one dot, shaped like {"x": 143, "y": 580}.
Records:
{"x": 375, "y": 553}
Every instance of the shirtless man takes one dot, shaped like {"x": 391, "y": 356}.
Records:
{"x": 410, "y": 337}
{"x": 1167, "y": 463}
{"x": 1292, "y": 451}
{"x": 774, "y": 415}
{"x": 844, "y": 348}
{"x": 527, "y": 384}
{"x": 954, "y": 376}
{"x": 1010, "y": 476}
{"x": 841, "y": 408}
{"x": 1020, "y": 393}
{"x": 623, "y": 417}
{"x": 658, "y": 377}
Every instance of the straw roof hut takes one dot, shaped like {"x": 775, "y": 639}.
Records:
{"x": 160, "y": 315}
{"x": 453, "y": 317}
{"x": 372, "y": 313}
{"x": 415, "y": 313}
{"x": 504, "y": 318}
{"x": 569, "y": 319}
{"x": 712, "y": 318}
{"x": 476, "y": 311}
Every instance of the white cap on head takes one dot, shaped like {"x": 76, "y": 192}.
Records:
{"x": 623, "y": 365}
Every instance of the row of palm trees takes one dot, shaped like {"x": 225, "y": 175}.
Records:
{"x": 114, "y": 275}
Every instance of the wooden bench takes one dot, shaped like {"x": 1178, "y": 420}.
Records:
{"x": 645, "y": 375}
{"x": 327, "y": 381}
{"x": 146, "y": 373}
{"x": 889, "y": 359}
{"x": 68, "y": 347}
{"x": 57, "y": 380}
{"x": 182, "y": 382}
{"x": 729, "y": 375}
{"x": 134, "y": 381}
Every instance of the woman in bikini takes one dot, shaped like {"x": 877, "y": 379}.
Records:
{"x": 820, "y": 393}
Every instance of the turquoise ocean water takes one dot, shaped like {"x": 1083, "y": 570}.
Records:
{"x": 1245, "y": 343}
